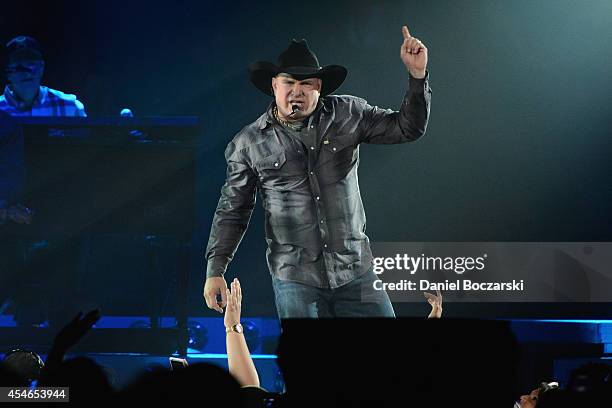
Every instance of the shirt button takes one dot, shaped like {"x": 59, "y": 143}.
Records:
{"x": 311, "y": 173}
{"x": 311, "y": 147}
{"x": 276, "y": 164}
{"x": 321, "y": 221}
{"x": 334, "y": 149}
{"x": 325, "y": 245}
{"x": 318, "y": 198}
{"x": 312, "y": 126}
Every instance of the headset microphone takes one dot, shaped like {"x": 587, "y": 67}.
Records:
{"x": 294, "y": 108}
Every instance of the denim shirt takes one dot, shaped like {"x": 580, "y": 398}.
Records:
{"x": 314, "y": 217}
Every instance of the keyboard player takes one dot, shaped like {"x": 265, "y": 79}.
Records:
{"x": 21, "y": 268}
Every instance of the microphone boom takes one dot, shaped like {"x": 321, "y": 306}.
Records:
{"x": 294, "y": 108}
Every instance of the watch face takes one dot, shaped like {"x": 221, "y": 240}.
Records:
{"x": 238, "y": 328}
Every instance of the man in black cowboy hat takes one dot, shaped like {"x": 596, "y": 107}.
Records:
{"x": 302, "y": 156}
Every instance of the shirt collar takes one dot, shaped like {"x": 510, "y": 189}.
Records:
{"x": 15, "y": 102}
{"x": 326, "y": 104}
{"x": 268, "y": 119}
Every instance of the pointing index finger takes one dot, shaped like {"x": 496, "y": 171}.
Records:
{"x": 405, "y": 32}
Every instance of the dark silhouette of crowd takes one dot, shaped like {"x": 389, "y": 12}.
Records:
{"x": 330, "y": 363}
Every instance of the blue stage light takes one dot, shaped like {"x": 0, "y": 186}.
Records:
{"x": 252, "y": 335}
{"x": 198, "y": 336}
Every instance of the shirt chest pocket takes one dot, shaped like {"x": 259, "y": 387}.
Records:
{"x": 337, "y": 150}
{"x": 337, "y": 159}
{"x": 279, "y": 166}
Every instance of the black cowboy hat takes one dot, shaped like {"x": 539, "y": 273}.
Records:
{"x": 299, "y": 62}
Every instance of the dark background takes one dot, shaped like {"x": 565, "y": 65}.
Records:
{"x": 518, "y": 145}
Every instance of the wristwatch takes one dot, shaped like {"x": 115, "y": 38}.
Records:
{"x": 235, "y": 328}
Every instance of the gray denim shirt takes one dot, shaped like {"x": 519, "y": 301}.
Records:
{"x": 314, "y": 217}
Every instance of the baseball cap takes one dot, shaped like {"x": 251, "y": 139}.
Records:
{"x": 23, "y": 48}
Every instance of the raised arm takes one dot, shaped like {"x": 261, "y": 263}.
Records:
{"x": 436, "y": 304}
{"x": 238, "y": 356}
{"x": 386, "y": 126}
{"x": 66, "y": 338}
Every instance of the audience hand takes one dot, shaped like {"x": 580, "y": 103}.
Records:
{"x": 436, "y": 304}
{"x": 74, "y": 331}
{"x": 234, "y": 303}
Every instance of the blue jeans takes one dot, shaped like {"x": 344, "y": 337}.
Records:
{"x": 355, "y": 299}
